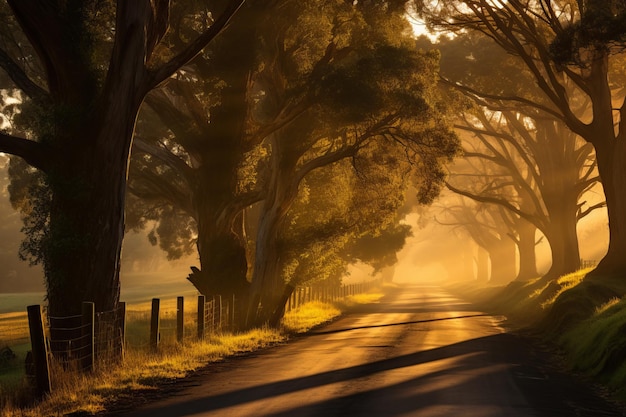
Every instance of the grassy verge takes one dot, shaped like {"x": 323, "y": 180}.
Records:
{"x": 142, "y": 371}
{"x": 585, "y": 317}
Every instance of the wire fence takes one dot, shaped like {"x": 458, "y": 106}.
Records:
{"x": 588, "y": 263}
{"x": 68, "y": 339}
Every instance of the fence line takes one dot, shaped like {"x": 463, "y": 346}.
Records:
{"x": 588, "y": 263}
{"x": 88, "y": 340}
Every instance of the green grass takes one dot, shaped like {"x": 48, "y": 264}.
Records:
{"x": 14, "y": 334}
{"x": 12, "y": 373}
{"x": 584, "y": 316}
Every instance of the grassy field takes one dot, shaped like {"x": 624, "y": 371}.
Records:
{"x": 585, "y": 317}
{"x": 145, "y": 371}
{"x": 14, "y": 336}
{"x": 17, "y": 302}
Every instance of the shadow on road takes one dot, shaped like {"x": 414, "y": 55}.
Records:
{"x": 326, "y": 332}
{"x": 552, "y": 391}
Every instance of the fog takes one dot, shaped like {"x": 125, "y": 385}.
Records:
{"x": 433, "y": 247}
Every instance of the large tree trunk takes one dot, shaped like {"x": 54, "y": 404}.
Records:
{"x": 611, "y": 156}
{"x": 526, "y": 247}
{"x": 83, "y": 248}
{"x": 563, "y": 241}
{"x": 85, "y": 240}
{"x": 561, "y": 191}
{"x": 222, "y": 259}
{"x": 502, "y": 262}
{"x": 221, "y": 246}
{"x": 82, "y": 251}
{"x": 267, "y": 281}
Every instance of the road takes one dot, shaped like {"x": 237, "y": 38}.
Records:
{"x": 419, "y": 352}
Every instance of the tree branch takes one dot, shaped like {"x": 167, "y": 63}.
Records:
{"x": 34, "y": 153}
{"x": 19, "y": 77}
{"x": 492, "y": 200}
{"x": 195, "y": 47}
{"x": 167, "y": 157}
{"x": 589, "y": 209}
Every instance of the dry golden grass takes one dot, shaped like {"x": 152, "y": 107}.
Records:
{"x": 13, "y": 326}
{"x": 308, "y": 316}
{"x": 89, "y": 393}
{"x": 566, "y": 282}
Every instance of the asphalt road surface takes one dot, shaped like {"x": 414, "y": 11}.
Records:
{"x": 419, "y": 352}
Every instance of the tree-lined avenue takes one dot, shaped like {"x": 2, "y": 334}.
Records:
{"x": 420, "y": 352}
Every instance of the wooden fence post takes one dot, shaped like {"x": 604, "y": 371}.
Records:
{"x": 180, "y": 319}
{"x": 39, "y": 349}
{"x": 122, "y": 328}
{"x": 201, "y": 301}
{"x": 232, "y": 312}
{"x": 219, "y": 307}
{"x": 154, "y": 324}
{"x": 88, "y": 314}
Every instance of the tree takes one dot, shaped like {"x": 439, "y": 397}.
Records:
{"x": 525, "y": 29}
{"x": 304, "y": 93}
{"x": 385, "y": 96}
{"x": 80, "y": 111}
{"x": 601, "y": 25}
{"x": 193, "y": 138}
{"x": 543, "y": 170}
{"x": 486, "y": 224}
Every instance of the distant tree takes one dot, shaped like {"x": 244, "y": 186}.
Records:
{"x": 525, "y": 29}
{"x": 380, "y": 249}
{"x": 87, "y": 69}
{"x": 544, "y": 169}
{"x": 540, "y": 180}
{"x": 487, "y": 226}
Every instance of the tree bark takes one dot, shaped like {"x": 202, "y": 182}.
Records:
{"x": 611, "y": 154}
{"x": 267, "y": 281}
{"x": 526, "y": 246}
{"x": 563, "y": 241}
{"x": 503, "y": 263}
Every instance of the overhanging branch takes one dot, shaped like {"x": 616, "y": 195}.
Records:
{"x": 497, "y": 201}
{"x": 34, "y": 153}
